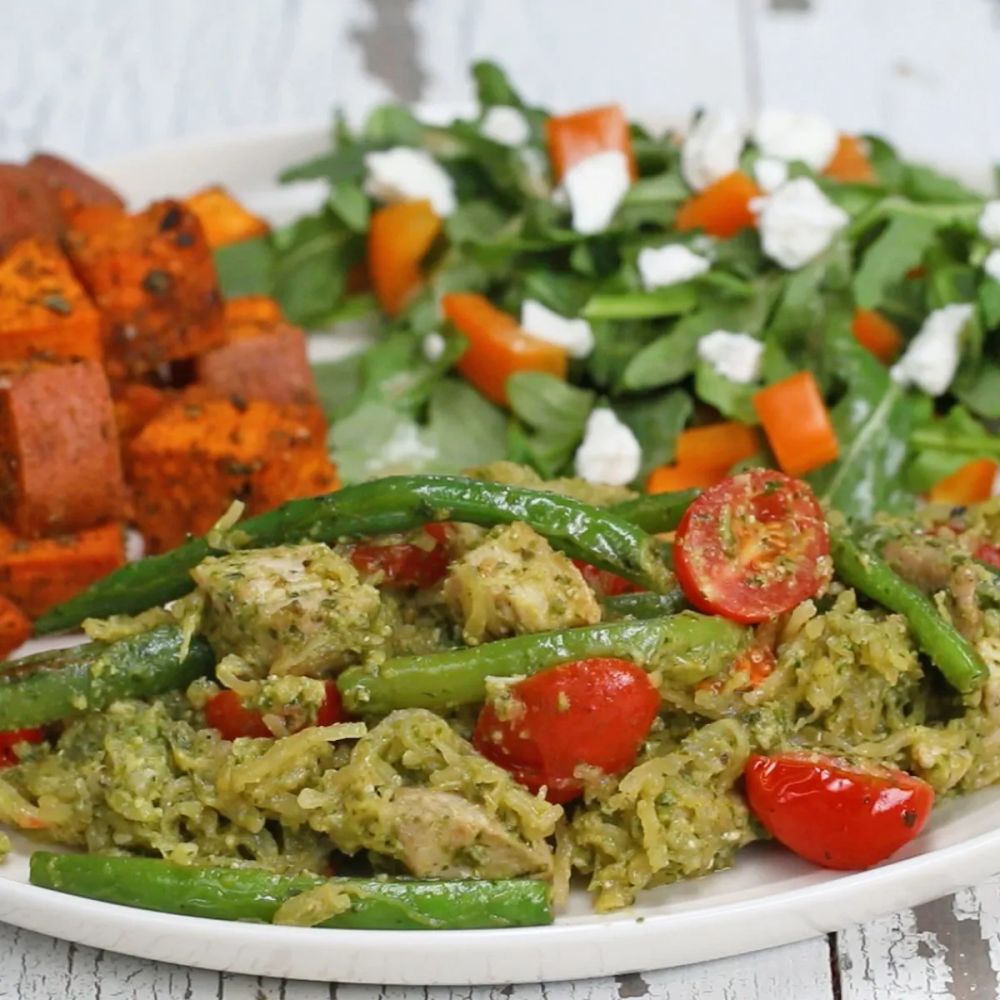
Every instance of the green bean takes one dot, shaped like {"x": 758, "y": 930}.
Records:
{"x": 383, "y": 506}
{"x": 656, "y": 512}
{"x": 643, "y": 605}
{"x": 689, "y": 647}
{"x": 51, "y": 686}
{"x": 947, "y": 648}
{"x": 255, "y": 895}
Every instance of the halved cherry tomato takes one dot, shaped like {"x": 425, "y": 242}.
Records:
{"x": 594, "y": 712}
{"x": 405, "y": 564}
{"x": 605, "y": 583}
{"x": 10, "y": 739}
{"x": 988, "y": 553}
{"x": 749, "y": 548}
{"x": 225, "y": 712}
{"x": 574, "y": 137}
{"x": 834, "y": 814}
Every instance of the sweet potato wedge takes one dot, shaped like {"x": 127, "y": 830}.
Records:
{"x": 26, "y": 207}
{"x": 15, "y": 627}
{"x": 152, "y": 277}
{"x": 60, "y": 468}
{"x": 61, "y": 177}
{"x": 192, "y": 460}
{"x": 37, "y": 574}
{"x": 223, "y": 218}
{"x": 251, "y": 309}
{"x": 135, "y": 404}
{"x": 44, "y": 311}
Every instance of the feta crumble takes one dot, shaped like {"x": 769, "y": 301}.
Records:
{"x": 797, "y": 223}
{"x": 433, "y": 346}
{"x": 991, "y": 266}
{"x": 770, "y": 173}
{"x": 404, "y": 174}
{"x": 711, "y": 149}
{"x": 595, "y": 187}
{"x": 573, "y": 334}
{"x": 668, "y": 265}
{"x": 989, "y": 222}
{"x": 796, "y": 135}
{"x": 931, "y": 358}
{"x": 610, "y": 452}
{"x": 505, "y": 125}
{"x": 735, "y": 356}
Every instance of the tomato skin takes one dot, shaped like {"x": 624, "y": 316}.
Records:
{"x": 404, "y": 564}
{"x": 750, "y": 547}
{"x": 832, "y": 814}
{"x": 225, "y": 712}
{"x": 11, "y": 738}
{"x": 594, "y": 712}
{"x": 604, "y": 583}
{"x": 989, "y": 554}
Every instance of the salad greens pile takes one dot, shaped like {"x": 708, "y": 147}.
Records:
{"x": 912, "y": 245}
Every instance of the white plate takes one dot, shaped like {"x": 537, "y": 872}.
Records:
{"x": 769, "y": 898}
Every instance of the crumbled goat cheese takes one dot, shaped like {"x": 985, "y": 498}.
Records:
{"x": 670, "y": 264}
{"x": 711, "y": 149}
{"x": 595, "y": 187}
{"x": 797, "y": 223}
{"x": 404, "y": 174}
{"x": 433, "y": 346}
{"x": 991, "y": 266}
{"x": 506, "y": 126}
{"x": 989, "y": 222}
{"x": 573, "y": 334}
{"x": 610, "y": 452}
{"x": 795, "y": 135}
{"x": 770, "y": 173}
{"x": 735, "y": 356}
{"x": 404, "y": 450}
{"x": 931, "y": 358}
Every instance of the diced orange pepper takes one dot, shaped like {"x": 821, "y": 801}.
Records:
{"x": 877, "y": 334}
{"x": 574, "y": 137}
{"x": 970, "y": 484}
{"x": 498, "y": 347}
{"x": 850, "y": 163}
{"x": 797, "y": 424}
{"x": 716, "y": 445}
{"x": 223, "y": 218}
{"x": 670, "y": 478}
{"x": 722, "y": 209}
{"x": 398, "y": 239}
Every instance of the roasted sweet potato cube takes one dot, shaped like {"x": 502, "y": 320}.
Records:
{"x": 15, "y": 627}
{"x": 223, "y": 218}
{"x": 37, "y": 574}
{"x": 26, "y": 207}
{"x": 44, "y": 311}
{"x": 259, "y": 362}
{"x": 69, "y": 185}
{"x": 248, "y": 309}
{"x": 152, "y": 277}
{"x": 192, "y": 460}
{"x": 135, "y": 404}
{"x": 60, "y": 469}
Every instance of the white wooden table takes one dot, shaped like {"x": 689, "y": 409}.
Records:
{"x": 92, "y": 78}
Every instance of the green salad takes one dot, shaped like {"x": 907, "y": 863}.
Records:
{"x": 663, "y": 326}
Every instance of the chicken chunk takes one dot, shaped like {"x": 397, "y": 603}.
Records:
{"x": 292, "y": 609}
{"x": 515, "y": 582}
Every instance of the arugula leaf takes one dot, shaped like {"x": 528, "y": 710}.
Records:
{"x": 927, "y": 185}
{"x": 667, "y": 360}
{"x": 351, "y": 205}
{"x": 481, "y": 436}
{"x": 246, "y": 268}
{"x": 556, "y": 414}
{"x": 944, "y": 446}
{"x": 656, "y": 420}
{"x": 338, "y": 384}
{"x": 377, "y": 440}
{"x": 493, "y": 87}
{"x": 733, "y": 400}
{"x": 392, "y": 125}
{"x": 988, "y": 299}
{"x": 873, "y": 420}
{"x": 898, "y": 248}
{"x": 979, "y": 389}
{"x": 670, "y": 301}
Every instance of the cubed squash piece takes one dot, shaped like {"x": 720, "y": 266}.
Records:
{"x": 259, "y": 361}
{"x": 44, "y": 311}
{"x": 60, "y": 469}
{"x": 223, "y": 218}
{"x": 26, "y": 207}
{"x": 152, "y": 277}
{"x": 37, "y": 574}
{"x": 189, "y": 463}
{"x": 70, "y": 186}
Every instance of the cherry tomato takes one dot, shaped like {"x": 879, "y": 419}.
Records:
{"x": 405, "y": 564}
{"x": 225, "y": 712}
{"x": 989, "y": 554}
{"x": 594, "y": 712}
{"x": 750, "y": 548}
{"x": 8, "y": 740}
{"x": 603, "y": 582}
{"x": 833, "y": 814}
